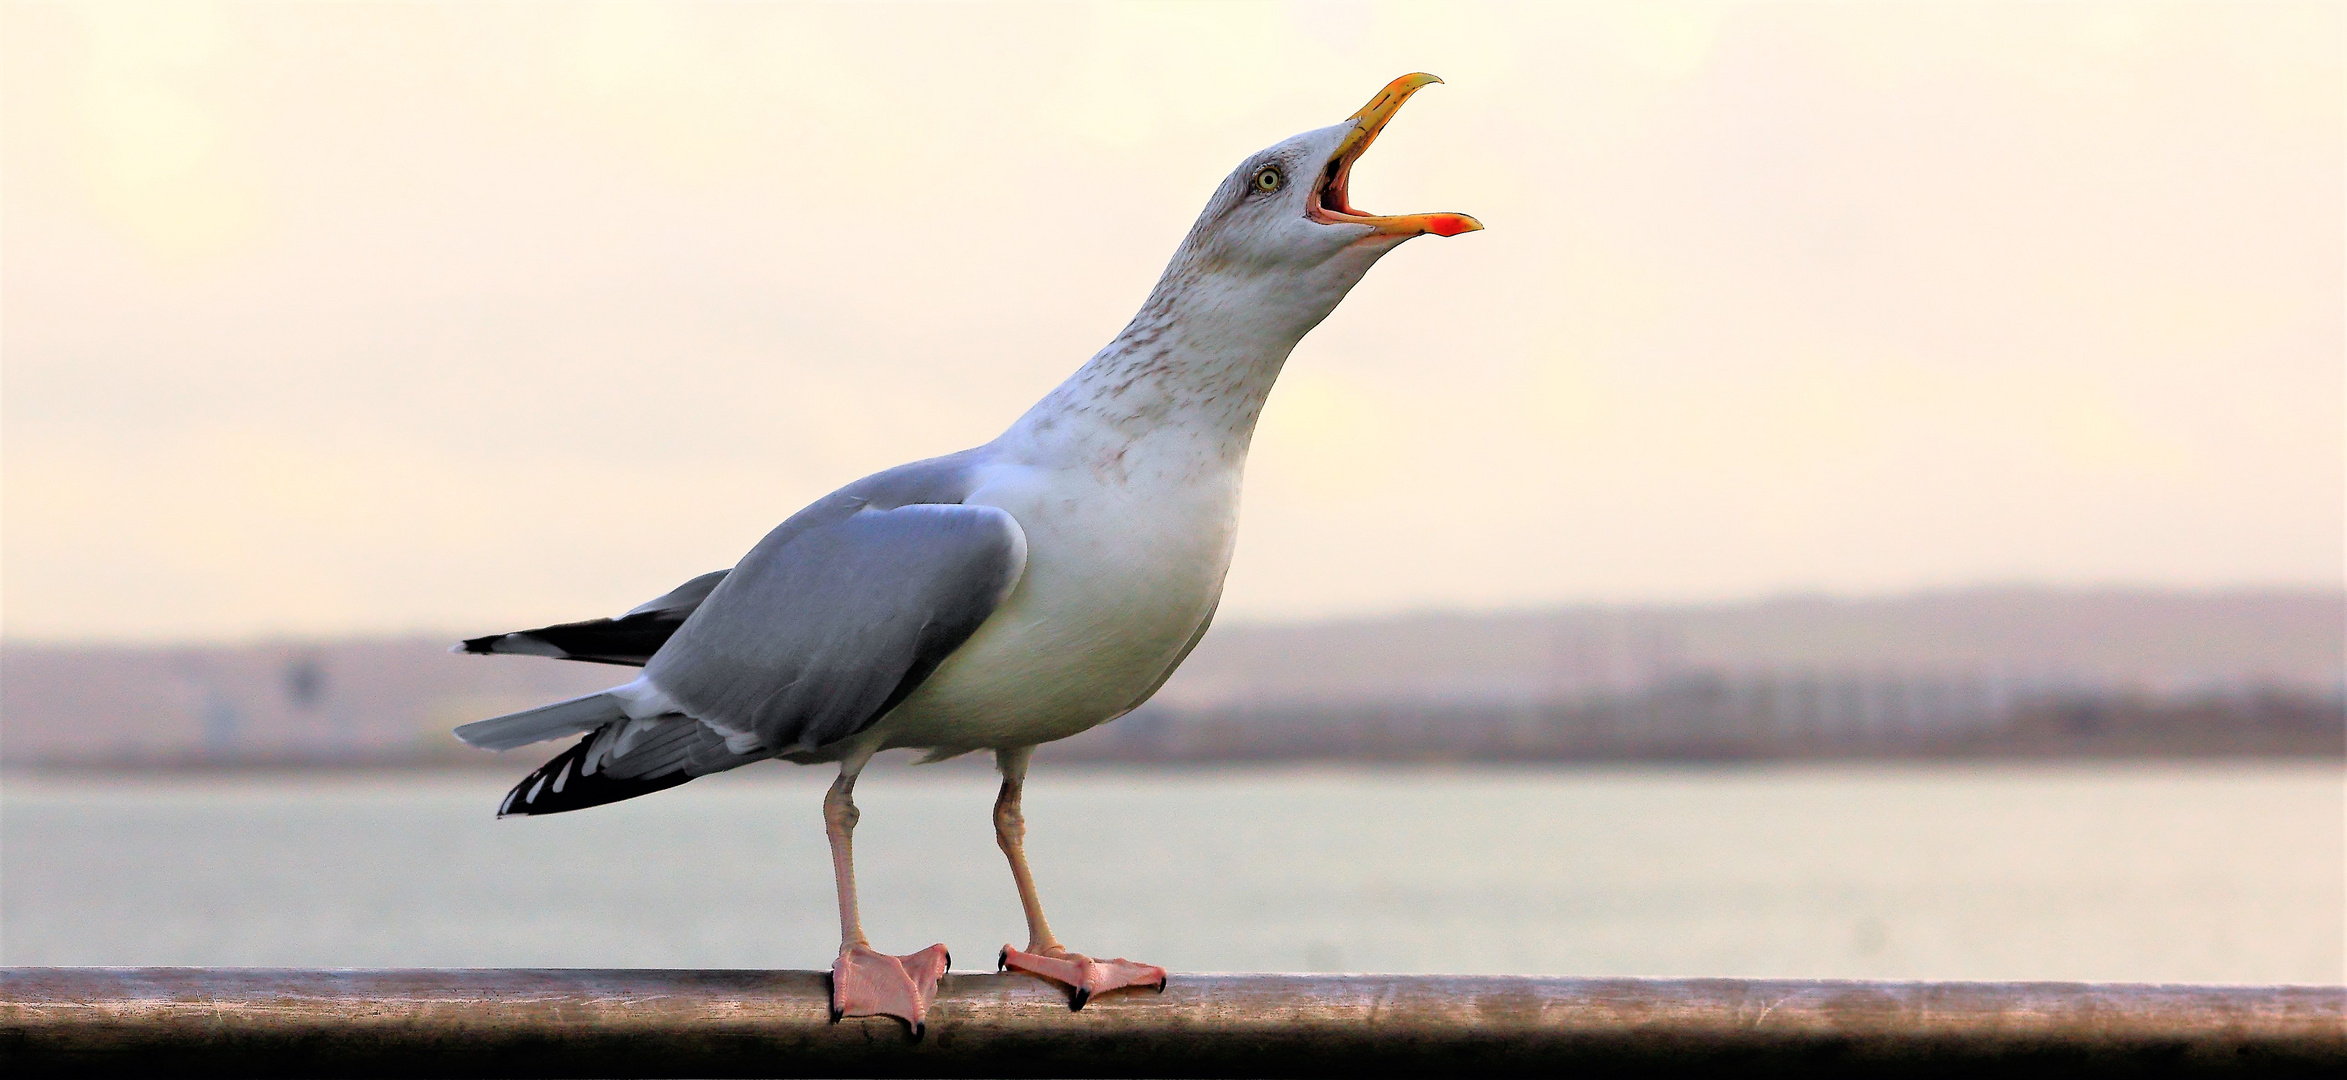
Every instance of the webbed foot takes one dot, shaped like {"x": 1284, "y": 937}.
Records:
{"x": 1085, "y": 977}
{"x": 867, "y": 982}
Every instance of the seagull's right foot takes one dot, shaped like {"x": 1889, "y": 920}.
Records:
{"x": 1084, "y": 977}
{"x": 867, "y": 982}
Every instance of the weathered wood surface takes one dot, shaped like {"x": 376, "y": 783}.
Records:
{"x": 575, "y": 1022}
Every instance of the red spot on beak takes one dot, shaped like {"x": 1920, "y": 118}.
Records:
{"x": 1450, "y": 224}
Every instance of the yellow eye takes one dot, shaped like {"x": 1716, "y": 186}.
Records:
{"x": 1268, "y": 179}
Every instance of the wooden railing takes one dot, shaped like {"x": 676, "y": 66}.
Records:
{"x": 171, "y": 1022}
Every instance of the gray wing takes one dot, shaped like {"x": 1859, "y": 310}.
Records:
{"x": 827, "y": 624}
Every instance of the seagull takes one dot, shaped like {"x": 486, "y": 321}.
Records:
{"x": 993, "y": 599}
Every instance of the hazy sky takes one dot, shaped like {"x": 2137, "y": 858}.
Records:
{"x": 360, "y": 318}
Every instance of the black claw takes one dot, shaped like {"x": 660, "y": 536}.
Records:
{"x": 1002, "y": 960}
{"x": 1161, "y": 986}
{"x": 949, "y": 958}
{"x": 919, "y": 1030}
{"x": 1082, "y": 996}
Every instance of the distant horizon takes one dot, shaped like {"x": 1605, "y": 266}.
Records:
{"x": 2218, "y": 672}
{"x": 1660, "y": 604}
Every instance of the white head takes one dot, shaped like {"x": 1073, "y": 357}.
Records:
{"x": 1278, "y": 246}
{"x": 1280, "y": 236}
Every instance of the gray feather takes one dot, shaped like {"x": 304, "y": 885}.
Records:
{"x": 542, "y": 723}
{"x": 839, "y": 613}
{"x": 675, "y": 744}
{"x": 663, "y": 749}
{"x": 680, "y": 601}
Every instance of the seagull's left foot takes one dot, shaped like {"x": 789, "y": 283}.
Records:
{"x": 868, "y": 982}
{"x": 1088, "y": 978}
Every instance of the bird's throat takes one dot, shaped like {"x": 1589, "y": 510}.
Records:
{"x": 1194, "y": 366}
{"x": 1157, "y": 384}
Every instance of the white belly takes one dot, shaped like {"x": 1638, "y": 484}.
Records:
{"x": 1119, "y": 578}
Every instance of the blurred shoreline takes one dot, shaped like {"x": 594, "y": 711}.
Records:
{"x": 1991, "y": 674}
{"x": 2264, "y": 728}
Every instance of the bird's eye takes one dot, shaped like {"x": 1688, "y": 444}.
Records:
{"x": 1268, "y": 179}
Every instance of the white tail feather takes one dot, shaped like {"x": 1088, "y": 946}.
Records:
{"x": 579, "y": 714}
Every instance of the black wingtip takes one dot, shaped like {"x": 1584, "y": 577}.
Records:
{"x": 561, "y": 785}
{"x": 628, "y": 641}
{"x": 521, "y": 643}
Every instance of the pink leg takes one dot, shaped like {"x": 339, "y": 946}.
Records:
{"x": 1044, "y": 956}
{"x": 864, "y": 980}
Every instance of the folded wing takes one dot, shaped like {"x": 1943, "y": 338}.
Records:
{"x": 820, "y": 631}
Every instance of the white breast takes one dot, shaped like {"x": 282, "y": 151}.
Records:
{"x": 1122, "y": 568}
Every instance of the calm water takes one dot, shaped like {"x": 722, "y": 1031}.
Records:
{"x": 2202, "y": 874}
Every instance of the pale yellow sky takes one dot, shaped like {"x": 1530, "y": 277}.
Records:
{"x": 367, "y": 318}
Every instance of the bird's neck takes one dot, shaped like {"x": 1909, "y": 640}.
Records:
{"x": 1191, "y": 371}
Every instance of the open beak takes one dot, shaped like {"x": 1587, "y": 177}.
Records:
{"x": 1329, "y": 203}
